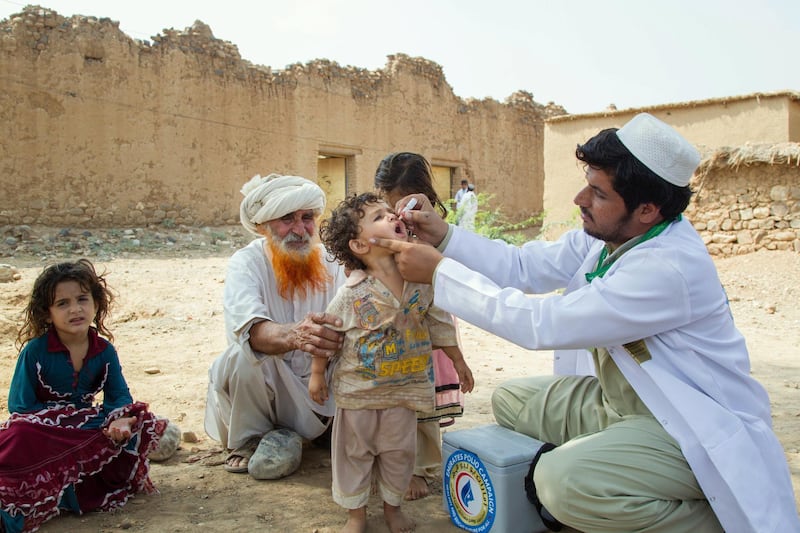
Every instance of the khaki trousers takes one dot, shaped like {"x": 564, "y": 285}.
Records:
{"x": 428, "y": 462}
{"x": 628, "y": 475}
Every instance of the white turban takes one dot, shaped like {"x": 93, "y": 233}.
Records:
{"x": 274, "y": 196}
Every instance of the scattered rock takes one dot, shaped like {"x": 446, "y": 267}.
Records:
{"x": 278, "y": 454}
{"x": 168, "y": 444}
{"x": 8, "y": 273}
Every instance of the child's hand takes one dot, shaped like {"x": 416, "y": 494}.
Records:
{"x": 464, "y": 375}
{"x": 317, "y": 388}
{"x": 120, "y": 429}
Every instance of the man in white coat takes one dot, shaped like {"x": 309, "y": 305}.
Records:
{"x": 258, "y": 404}
{"x": 652, "y": 421}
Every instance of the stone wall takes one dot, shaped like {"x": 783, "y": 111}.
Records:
{"x": 99, "y": 130}
{"x": 748, "y": 199}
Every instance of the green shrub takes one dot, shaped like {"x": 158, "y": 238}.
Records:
{"x": 492, "y": 223}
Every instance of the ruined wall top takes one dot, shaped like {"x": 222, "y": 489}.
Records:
{"x": 33, "y": 26}
{"x": 30, "y": 27}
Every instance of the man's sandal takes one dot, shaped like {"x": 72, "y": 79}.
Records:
{"x": 245, "y": 451}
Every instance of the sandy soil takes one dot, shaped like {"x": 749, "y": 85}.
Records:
{"x": 169, "y": 317}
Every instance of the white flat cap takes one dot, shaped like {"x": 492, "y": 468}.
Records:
{"x": 660, "y": 148}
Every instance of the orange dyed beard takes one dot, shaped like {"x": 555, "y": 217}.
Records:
{"x": 297, "y": 272}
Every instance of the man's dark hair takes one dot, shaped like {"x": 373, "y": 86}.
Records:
{"x": 631, "y": 179}
{"x": 343, "y": 225}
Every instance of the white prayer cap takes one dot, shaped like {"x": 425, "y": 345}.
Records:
{"x": 660, "y": 148}
{"x": 274, "y": 196}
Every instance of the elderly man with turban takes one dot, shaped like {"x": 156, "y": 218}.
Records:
{"x": 258, "y": 404}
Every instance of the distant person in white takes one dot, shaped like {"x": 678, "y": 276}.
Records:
{"x": 468, "y": 209}
{"x": 654, "y": 422}
{"x": 461, "y": 192}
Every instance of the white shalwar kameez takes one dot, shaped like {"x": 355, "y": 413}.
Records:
{"x": 250, "y": 393}
{"x": 665, "y": 291}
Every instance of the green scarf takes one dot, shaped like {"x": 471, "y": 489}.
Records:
{"x": 605, "y": 261}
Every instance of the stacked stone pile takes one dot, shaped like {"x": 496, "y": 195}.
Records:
{"x": 198, "y": 39}
{"x": 34, "y": 23}
{"x": 744, "y": 215}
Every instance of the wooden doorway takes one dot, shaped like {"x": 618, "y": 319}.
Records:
{"x": 332, "y": 178}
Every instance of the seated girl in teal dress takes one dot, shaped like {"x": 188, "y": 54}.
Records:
{"x": 59, "y": 450}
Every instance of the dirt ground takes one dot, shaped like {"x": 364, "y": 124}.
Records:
{"x": 168, "y": 318}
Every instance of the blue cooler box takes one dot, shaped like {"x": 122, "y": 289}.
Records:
{"x": 484, "y": 473}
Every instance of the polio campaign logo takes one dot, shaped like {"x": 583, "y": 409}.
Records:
{"x": 469, "y": 492}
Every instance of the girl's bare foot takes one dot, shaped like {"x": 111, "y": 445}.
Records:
{"x": 417, "y": 488}
{"x": 356, "y": 521}
{"x": 397, "y": 521}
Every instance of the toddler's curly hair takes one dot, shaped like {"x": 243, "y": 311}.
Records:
{"x": 343, "y": 225}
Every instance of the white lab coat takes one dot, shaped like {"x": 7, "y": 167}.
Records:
{"x": 665, "y": 291}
